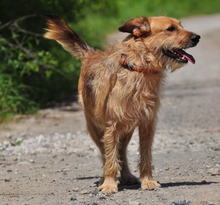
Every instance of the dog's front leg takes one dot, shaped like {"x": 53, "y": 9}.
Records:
{"x": 111, "y": 167}
{"x": 146, "y": 135}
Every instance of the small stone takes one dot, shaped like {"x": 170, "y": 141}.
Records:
{"x": 75, "y": 189}
{"x": 214, "y": 171}
{"x": 6, "y": 144}
{"x": 24, "y": 163}
{"x": 8, "y": 135}
{"x": 9, "y": 170}
{"x": 204, "y": 182}
{"x": 7, "y": 179}
{"x": 24, "y": 134}
{"x": 84, "y": 192}
{"x": 66, "y": 170}
{"x": 94, "y": 193}
{"x": 181, "y": 203}
{"x": 191, "y": 142}
{"x": 2, "y": 158}
{"x": 102, "y": 197}
{"x": 134, "y": 203}
{"x": 18, "y": 140}
{"x": 93, "y": 185}
{"x": 31, "y": 161}
{"x": 73, "y": 198}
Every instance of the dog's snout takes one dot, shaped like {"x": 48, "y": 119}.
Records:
{"x": 195, "y": 38}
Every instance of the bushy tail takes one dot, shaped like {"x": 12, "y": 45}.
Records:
{"x": 58, "y": 30}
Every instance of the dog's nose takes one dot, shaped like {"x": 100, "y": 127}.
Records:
{"x": 195, "y": 38}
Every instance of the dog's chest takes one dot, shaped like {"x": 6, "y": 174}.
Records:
{"x": 134, "y": 97}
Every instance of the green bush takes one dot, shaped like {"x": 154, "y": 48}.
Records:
{"x": 35, "y": 72}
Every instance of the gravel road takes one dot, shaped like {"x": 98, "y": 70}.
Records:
{"x": 49, "y": 159}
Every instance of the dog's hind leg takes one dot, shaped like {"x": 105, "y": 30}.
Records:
{"x": 97, "y": 134}
{"x": 126, "y": 177}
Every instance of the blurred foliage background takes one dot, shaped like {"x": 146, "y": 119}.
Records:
{"x": 35, "y": 72}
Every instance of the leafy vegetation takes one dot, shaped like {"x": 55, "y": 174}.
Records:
{"x": 35, "y": 72}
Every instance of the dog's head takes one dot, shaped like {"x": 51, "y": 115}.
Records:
{"x": 164, "y": 37}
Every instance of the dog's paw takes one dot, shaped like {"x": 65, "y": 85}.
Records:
{"x": 129, "y": 179}
{"x": 149, "y": 185}
{"x": 109, "y": 186}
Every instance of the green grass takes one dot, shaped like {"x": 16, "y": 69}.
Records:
{"x": 174, "y": 8}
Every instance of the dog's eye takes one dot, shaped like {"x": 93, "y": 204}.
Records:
{"x": 171, "y": 28}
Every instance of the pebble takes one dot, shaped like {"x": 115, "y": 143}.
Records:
{"x": 6, "y": 144}
{"x": 75, "y": 189}
{"x": 24, "y": 163}
{"x": 7, "y": 179}
{"x": 8, "y": 135}
{"x": 73, "y": 198}
{"x": 204, "y": 182}
{"x": 102, "y": 197}
{"x": 94, "y": 193}
{"x": 84, "y": 192}
{"x": 211, "y": 203}
{"x": 214, "y": 171}
{"x": 24, "y": 134}
{"x": 181, "y": 203}
{"x": 134, "y": 203}
{"x": 19, "y": 140}
{"x": 31, "y": 161}
{"x": 2, "y": 158}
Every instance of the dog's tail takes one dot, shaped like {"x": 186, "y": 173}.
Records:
{"x": 58, "y": 30}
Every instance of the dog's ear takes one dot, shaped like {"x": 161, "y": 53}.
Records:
{"x": 137, "y": 26}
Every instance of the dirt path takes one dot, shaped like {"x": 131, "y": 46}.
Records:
{"x": 57, "y": 163}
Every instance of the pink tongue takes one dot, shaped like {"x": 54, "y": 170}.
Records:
{"x": 186, "y": 55}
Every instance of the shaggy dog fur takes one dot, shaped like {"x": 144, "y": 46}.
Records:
{"x": 119, "y": 88}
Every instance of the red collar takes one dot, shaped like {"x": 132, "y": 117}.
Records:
{"x": 133, "y": 67}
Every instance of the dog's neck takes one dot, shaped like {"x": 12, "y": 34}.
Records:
{"x": 136, "y": 56}
{"x": 133, "y": 67}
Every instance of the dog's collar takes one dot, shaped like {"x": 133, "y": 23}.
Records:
{"x": 133, "y": 67}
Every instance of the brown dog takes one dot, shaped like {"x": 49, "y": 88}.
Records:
{"x": 119, "y": 88}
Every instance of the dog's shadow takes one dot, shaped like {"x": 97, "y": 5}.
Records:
{"x": 166, "y": 185}
{"x": 163, "y": 185}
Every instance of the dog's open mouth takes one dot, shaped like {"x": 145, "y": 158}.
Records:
{"x": 179, "y": 55}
